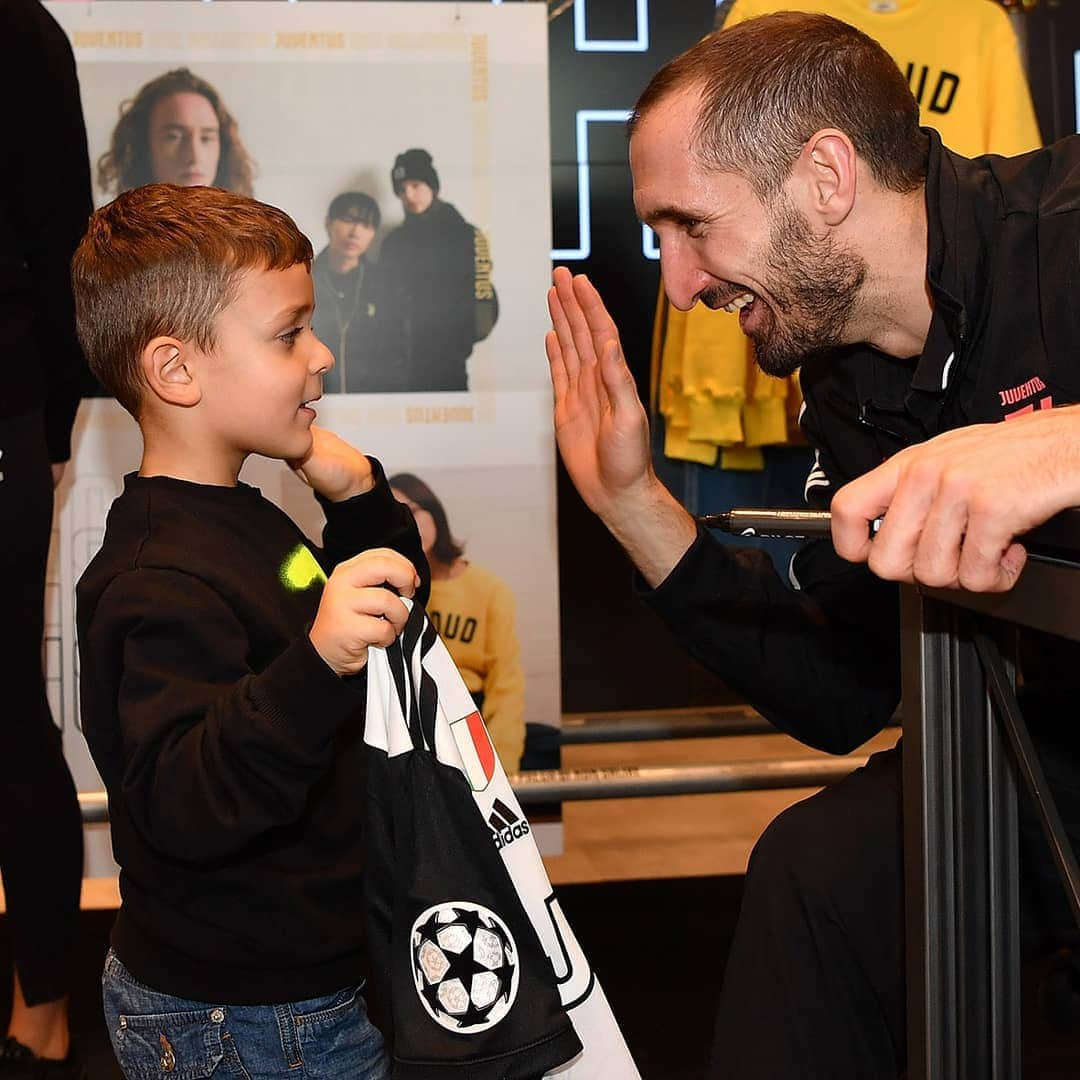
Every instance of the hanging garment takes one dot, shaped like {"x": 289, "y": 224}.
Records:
{"x": 480, "y": 968}
{"x": 962, "y": 62}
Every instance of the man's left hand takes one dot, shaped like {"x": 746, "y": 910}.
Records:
{"x": 954, "y": 505}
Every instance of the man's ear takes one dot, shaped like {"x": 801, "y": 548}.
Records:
{"x": 826, "y": 174}
{"x": 170, "y": 372}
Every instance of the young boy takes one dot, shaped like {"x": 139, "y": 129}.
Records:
{"x": 218, "y": 660}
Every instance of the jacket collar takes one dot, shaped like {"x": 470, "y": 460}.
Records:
{"x": 934, "y": 367}
{"x": 957, "y": 257}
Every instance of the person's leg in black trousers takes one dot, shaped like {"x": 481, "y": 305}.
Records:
{"x": 41, "y": 851}
{"x": 814, "y": 986}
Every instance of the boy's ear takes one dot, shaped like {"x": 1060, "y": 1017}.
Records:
{"x": 170, "y": 373}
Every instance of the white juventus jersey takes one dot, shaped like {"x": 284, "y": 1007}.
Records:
{"x": 417, "y": 704}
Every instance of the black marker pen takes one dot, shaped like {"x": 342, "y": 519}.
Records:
{"x": 783, "y": 524}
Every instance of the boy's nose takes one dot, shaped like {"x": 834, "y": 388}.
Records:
{"x": 322, "y": 359}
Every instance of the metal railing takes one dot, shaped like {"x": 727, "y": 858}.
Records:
{"x": 963, "y": 741}
{"x": 707, "y": 722}
{"x": 631, "y": 782}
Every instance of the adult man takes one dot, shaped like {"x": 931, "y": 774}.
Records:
{"x": 438, "y": 268}
{"x": 353, "y": 314}
{"x": 781, "y": 164}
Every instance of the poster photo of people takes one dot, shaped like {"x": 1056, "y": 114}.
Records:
{"x": 408, "y": 159}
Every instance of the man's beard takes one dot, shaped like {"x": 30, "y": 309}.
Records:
{"x": 814, "y": 286}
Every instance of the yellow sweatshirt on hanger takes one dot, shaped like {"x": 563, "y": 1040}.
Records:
{"x": 962, "y": 62}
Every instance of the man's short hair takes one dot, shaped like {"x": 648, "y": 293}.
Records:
{"x": 167, "y": 260}
{"x": 769, "y": 83}
{"x": 355, "y": 206}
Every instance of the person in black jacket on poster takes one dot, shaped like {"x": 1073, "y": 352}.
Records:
{"x": 44, "y": 205}
{"x": 222, "y": 655}
{"x": 924, "y": 297}
{"x": 353, "y": 314}
{"x": 437, "y": 270}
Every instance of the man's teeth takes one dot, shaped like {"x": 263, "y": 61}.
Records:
{"x": 739, "y": 302}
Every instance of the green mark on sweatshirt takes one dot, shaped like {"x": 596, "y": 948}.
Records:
{"x": 300, "y": 571}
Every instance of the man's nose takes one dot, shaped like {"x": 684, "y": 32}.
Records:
{"x": 682, "y": 282}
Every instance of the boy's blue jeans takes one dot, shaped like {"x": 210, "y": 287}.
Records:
{"x": 158, "y": 1035}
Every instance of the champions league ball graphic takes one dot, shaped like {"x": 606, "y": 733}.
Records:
{"x": 465, "y": 966}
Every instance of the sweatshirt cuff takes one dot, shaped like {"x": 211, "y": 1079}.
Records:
{"x": 373, "y": 514}
{"x": 299, "y": 692}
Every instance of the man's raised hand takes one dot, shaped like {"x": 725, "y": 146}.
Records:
{"x": 603, "y": 431}
{"x": 600, "y": 424}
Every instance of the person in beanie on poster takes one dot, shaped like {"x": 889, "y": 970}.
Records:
{"x": 352, "y": 313}
{"x": 438, "y": 269}
{"x": 45, "y": 201}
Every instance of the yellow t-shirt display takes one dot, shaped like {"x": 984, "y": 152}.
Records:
{"x": 474, "y": 614}
{"x": 962, "y": 62}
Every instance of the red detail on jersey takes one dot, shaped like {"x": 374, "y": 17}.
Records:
{"x": 485, "y": 752}
{"x": 1043, "y": 403}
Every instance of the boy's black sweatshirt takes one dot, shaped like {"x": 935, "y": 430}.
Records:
{"x": 232, "y": 755}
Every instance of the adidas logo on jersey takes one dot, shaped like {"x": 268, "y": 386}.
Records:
{"x": 506, "y": 826}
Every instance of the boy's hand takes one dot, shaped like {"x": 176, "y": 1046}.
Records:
{"x": 359, "y": 609}
{"x": 333, "y": 468}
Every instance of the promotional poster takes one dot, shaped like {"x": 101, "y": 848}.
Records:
{"x": 415, "y": 162}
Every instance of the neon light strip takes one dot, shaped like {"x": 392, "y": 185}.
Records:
{"x": 584, "y": 248}
{"x": 1076, "y": 85}
{"x": 639, "y": 44}
{"x": 583, "y": 118}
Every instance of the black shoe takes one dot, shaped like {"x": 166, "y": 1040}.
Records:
{"x": 18, "y": 1062}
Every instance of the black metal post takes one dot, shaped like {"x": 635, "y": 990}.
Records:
{"x": 962, "y": 905}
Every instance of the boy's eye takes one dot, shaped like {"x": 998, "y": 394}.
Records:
{"x": 290, "y": 336}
